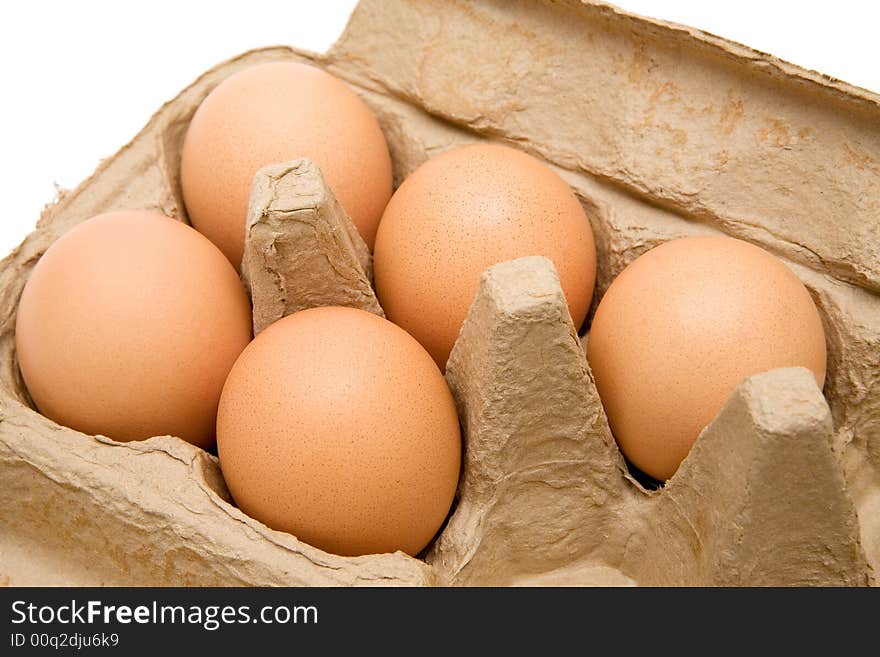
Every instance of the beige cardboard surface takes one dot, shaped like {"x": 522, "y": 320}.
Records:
{"x": 545, "y": 487}
{"x": 301, "y": 248}
{"x": 662, "y": 131}
{"x": 713, "y": 130}
{"x": 90, "y": 511}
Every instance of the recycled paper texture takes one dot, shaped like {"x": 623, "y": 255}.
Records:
{"x": 662, "y": 131}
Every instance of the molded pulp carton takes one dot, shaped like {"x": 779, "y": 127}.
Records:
{"x": 662, "y": 131}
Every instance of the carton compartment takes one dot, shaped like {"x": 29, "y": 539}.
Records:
{"x": 782, "y": 488}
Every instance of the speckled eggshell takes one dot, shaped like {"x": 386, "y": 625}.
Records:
{"x": 681, "y": 327}
{"x": 128, "y": 326}
{"x": 462, "y": 212}
{"x": 337, "y": 427}
{"x": 274, "y": 113}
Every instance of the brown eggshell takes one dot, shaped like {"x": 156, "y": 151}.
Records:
{"x": 337, "y": 427}
{"x": 128, "y": 326}
{"x": 274, "y": 113}
{"x": 462, "y": 212}
{"x": 681, "y": 327}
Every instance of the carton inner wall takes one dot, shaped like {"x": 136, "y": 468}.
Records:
{"x": 545, "y": 495}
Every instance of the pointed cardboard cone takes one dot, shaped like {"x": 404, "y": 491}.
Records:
{"x": 760, "y": 500}
{"x": 542, "y": 479}
{"x": 92, "y": 511}
{"x": 544, "y": 497}
{"x": 301, "y": 248}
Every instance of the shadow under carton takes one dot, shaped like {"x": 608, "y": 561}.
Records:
{"x": 663, "y": 132}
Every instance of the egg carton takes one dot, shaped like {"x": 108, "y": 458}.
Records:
{"x": 662, "y": 131}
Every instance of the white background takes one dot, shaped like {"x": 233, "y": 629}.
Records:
{"x": 81, "y": 78}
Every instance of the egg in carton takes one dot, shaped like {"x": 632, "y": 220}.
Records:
{"x": 662, "y": 132}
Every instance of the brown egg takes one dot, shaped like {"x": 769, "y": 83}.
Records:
{"x": 681, "y": 327}
{"x": 128, "y": 326}
{"x": 462, "y": 212}
{"x": 274, "y": 113}
{"x": 337, "y": 427}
